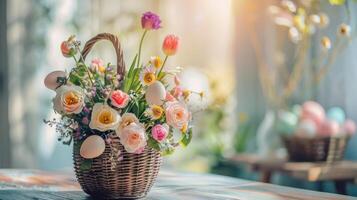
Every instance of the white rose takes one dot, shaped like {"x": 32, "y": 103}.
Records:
{"x": 104, "y": 118}
{"x": 133, "y": 138}
{"x": 69, "y": 99}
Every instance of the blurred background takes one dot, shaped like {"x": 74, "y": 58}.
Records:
{"x": 252, "y": 58}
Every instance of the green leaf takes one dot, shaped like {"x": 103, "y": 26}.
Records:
{"x": 168, "y": 151}
{"x": 186, "y": 139}
{"x": 129, "y": 76}
{"x": 75, "y": 79}
{"x": 132, "y": 66}
{"x": 337, "y": 2}
{"x": 154, "y": 144}
{"x": 86, "y": 164}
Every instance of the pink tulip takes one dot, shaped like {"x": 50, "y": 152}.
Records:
{"x": 170, "y": 45}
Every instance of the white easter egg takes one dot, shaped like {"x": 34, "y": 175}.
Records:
{"x": 155, "y": 93}
{"x": 92, "y": 147}
{"x": 51, "y": 79}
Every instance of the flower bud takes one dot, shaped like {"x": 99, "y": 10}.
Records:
{"x": 170, "y": 45}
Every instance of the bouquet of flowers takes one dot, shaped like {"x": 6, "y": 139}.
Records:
{"x": 99, "y": 104}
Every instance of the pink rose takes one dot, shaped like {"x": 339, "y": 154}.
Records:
{"x": 159, "y": 132}
{"x": 119, "y": 99}
{"x": 177, "y": 114}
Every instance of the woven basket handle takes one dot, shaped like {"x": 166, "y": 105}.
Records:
{"x": 119, "y": 52}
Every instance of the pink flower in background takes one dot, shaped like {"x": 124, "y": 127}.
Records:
{"x": 170, "y": 45}
{"x": 177, "y": 80}
{"x": 119, "y": 99}
{"x": 349, "y": 127}
{"x": 169, "y": 97}
{"x": 159, "y": 132}
{"x": 65, "y": 49}
{"x": 150, "y": 21}
{"x": 177, "y": 114}
{"x": 177, "y": 91}
{"x": 68, "y": 48}
{"x": 97, "y": 64}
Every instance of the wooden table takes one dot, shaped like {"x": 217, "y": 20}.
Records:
{"x": 339, "y": 172}
{"x": 40, "y": 185}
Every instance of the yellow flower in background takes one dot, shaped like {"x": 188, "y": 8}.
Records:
{"x": 156, "y": 62}
{"x": 221, "y": 90}
{"x": 186, "y": 94}
{"x": 243, "y": 117}
{"x": 147, "y": 75}
{"x": 184, "y": 128}
{"x": 155, "y": 112}
{"x": 337, "y": 2}
{"x": 326, "y": 43}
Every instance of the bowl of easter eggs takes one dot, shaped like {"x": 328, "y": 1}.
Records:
{"x": 312, "y": 134}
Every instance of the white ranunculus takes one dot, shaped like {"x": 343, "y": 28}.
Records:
{"x": 133, "y": 138}
{"x": 69, "y": 99}
{"x": 104, "y": 118}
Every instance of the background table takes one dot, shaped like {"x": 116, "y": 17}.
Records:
{"x": 339, "y": 172}
{"x": 40, "y": 185}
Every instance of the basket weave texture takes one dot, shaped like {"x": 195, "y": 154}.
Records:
{"x": 133, "y": 174}
{"x": 318, "y": 149}
{"x": 132, "y": 177}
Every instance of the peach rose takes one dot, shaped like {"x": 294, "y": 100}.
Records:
{"x": 177, "y": 114}
{"x": 133, "y": 138}
{"x": 119, "y": 99}
{"x": 69, "y": 99}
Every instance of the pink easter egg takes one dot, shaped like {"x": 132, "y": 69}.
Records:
{"x": 349, "y": 127}
{"x": 51, "y": 79}
{"x": 313, "y": 111}
{"x": 329, "y": 128}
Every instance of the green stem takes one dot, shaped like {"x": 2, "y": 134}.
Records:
{"x": 140, "y": 45}
{"x": 81, "y": 58}
{"x": 162, "y": 67}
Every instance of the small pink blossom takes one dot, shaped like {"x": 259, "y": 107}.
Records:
{"x": 169, "y": 97}
{"x": 177, "y": 80}
{"x": 97, "y": 64}
{"x": 119, "y": 99}
{"x": 85, "y": 120}
{"x": 159, "y": 132}
{"x": 140, "y": 150}
{"x": 177, "y": 91}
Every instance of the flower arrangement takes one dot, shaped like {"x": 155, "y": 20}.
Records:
{"x": 96, "y": 103}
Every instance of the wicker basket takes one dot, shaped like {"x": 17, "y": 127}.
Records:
{"x": 134, "y": 174}
{"x": 318, "y": 149}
